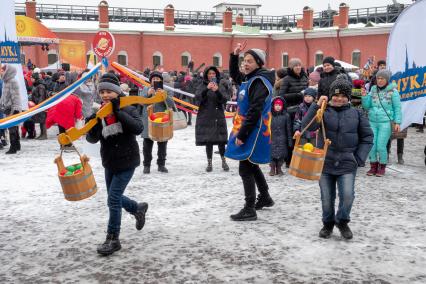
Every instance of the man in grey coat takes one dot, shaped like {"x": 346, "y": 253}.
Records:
{"x": 10, "y": 103}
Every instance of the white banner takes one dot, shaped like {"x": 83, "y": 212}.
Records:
{"x": 9, "y": 47}
{"x": 407, "y": 62}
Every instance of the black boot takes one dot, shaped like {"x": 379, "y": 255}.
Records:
{"x": 225, "y": 166}
{"x": 111, "y": 244}
{"x": 245, "y": 214}
{"x": 140, "y": 215}
{"x": 263, "y": 201}
{"x": 12, "y": 150}
{"x": 327, "y": 230}
{"x": 344, "y": 229}
{"x": 209, "y": 167}
{"x": 163, "y": 169}
{"x": 146, "y": 169}
{"x": 400, "y": 159}
{"x": 279, "y": 172}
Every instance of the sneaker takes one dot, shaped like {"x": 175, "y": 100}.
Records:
{"x": 263, "y": 202}
{"x": 326, "y": 231}
{"x": 245, "y": 214}
{"x": 140, "y": 215}
{"x": 345, "y": 231}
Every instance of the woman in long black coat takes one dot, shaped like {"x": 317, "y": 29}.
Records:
{"x": 210, "y": 127}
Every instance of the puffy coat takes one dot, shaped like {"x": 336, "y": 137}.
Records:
{"x": 383, "y": 105}
{"x": 350, "y": 134}
{"x": 120, "y": 152}
{"x": 297, "y": 124}
{"x": 291, "y": 87}
{"x": 87, "y": 93}
{"x": 160, "y": 107}
{"x": 281, "y": 134}
{"x": 39, "y": 94}
{"x": 10, "y": 100}
{"x": 65, "y": 113}
{"x": 210, "y": 126}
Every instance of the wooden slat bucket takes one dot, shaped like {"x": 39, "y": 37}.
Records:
{"x": 305, "y": 164}
{"x": 77, "y": 186}
{"x": 160, "y": 131}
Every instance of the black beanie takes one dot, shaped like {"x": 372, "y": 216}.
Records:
{"x": 329, "y": 60}
{"x": 155, "y": 74}
{"x": 110, "y": 82}
{"x": 341, "y": 86}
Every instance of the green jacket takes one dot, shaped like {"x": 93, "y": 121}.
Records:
{"x": 383, "y": 105}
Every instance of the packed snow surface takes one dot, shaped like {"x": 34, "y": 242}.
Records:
{"x": 189, "y": 237}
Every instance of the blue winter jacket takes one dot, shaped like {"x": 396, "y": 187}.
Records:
{"x": 383, "y": 105}
{"x": 350, "y": 134}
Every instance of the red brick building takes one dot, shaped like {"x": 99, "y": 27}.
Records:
{"x": 141, "y": 45}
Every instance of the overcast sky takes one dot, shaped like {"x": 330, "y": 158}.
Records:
{"x": 269, "y": 7}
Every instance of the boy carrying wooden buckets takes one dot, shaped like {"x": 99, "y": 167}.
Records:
{"x": 351, "y": 140}
{"x": 120, "y": 156}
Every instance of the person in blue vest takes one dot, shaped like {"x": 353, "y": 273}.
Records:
{"x": 250, "y": 138}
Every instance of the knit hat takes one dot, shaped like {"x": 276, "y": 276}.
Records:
{"x": 342, "y": 87}
{"x": 110, "y": 82}
{"x": 329, "y": 60}
{"x": 315, "y": 76}
{"x": 155, "y": 74}
{"x": 258, "y": 54}
{"x": 310, "y": 92}
{"x": 294, "y": 62}
{"x": 278, "y": 101}
{"x": 386, "y": 74}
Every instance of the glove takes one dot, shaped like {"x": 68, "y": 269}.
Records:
{"x": 87, "y": 119}
{"x": 16, "y": 111}
{"x": 115, "y": 105}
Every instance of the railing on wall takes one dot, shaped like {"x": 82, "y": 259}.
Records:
{"x": 383, "y": 14}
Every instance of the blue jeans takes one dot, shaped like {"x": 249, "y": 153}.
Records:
{"x": 345, "y": 184}
{"x": 116, "y": 184}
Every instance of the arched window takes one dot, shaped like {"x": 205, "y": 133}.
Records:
{"x": 52, "y": 57}
{"x": 285, "y": 59}
{"x": 217, "y": 59}
{"x": 95, "y": 58}
{"x": 185, "y": 58}
{"x": 122, "y": 58}
{"x": 157, "y": 59}
{"x": 319, "y": 56}
{"x": 356, "y": 57}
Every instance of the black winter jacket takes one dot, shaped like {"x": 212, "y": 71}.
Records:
{"x": 291, "y": 87}
{"x": 350, "y": 134}
{"x": 281, "y": 134}
{"x": 120, "y": 152}
{"x": 258, "y": 93}
{"x": 210, "y": 126}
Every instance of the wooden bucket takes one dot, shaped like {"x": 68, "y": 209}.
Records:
{"x": 160, "y": 131}
{"x": 78, "y": 186}
{"x": 309, "y": 165}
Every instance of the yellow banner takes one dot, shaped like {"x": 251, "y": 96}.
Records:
{"x": 73, "y": 52}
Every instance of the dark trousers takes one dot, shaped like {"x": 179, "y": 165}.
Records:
{"x": 399, "y": 146}
{"x": 147, "y": 152}
{"x": 14, "y": 138}
{"x": 209, "y": 150}
{"x": 116, "y": 184}
{"x": 252, "y": 175}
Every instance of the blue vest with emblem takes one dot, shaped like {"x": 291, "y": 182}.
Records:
{"x": 257, "y": 148}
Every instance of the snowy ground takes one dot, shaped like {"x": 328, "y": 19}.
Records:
{"x": 189, "y": 238}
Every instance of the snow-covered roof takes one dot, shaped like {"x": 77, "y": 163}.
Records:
{"x": 120, "y": 27}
